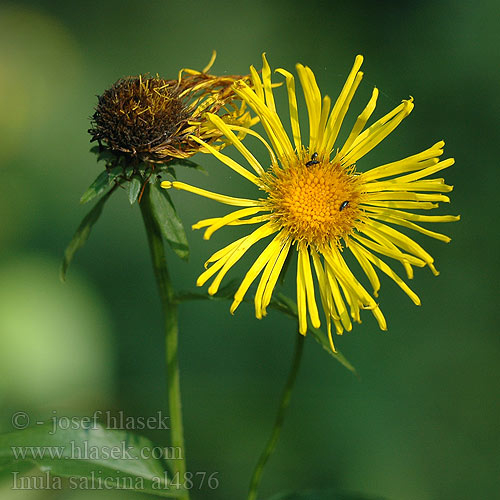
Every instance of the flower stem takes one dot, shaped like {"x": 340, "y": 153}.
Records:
{"x": 169, "y": 306}
{"x": 280, "y": 418}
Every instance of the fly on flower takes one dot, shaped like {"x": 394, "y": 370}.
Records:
{"x": 314, "y": 199}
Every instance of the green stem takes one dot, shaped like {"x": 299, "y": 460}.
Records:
{"x": 169, "y": 306}
{"x": 280, "y": 418}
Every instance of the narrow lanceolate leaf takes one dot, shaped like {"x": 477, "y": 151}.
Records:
{"x": 82, "y": 233}
{"x": 114, "y": 173}
{"x": 168, "y": 220}
{"x": 87, "y": 455}
{"x": 103, "y": 154}
{"x": 286, "y": 305}
{"x": 96, "y": 188}
{"x": 103, "y": 180}
{"x": 133, "y": 188}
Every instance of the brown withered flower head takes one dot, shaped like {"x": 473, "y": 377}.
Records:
{"x": 149, "y": 119}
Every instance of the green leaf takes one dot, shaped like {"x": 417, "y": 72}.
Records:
{"x": 113, "y": 173}
{"x": 82, "y": 233}
{"x": 133, "y": 189}
{"x": 85, "y": 453}
{"x": 142, "y": 168}
{"x": 103, "y": 154}
{"x": 321, "y": 495}
{"x": 286, "y": 305}
{"x": 101, "y": 183}
{"x": 129, "y": 170}
{"x": 96, "y": 188}
{"x": 171, "y": 226}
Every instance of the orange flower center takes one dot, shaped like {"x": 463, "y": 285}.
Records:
{"x": 314, "y": 200}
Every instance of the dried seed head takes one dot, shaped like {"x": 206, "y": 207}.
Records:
{"x": 139, "y": 116}
{"x": 150, "y": 120}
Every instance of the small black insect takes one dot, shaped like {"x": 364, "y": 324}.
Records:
{"x": 343, "y": 205}
{"x": 313, "y": 160}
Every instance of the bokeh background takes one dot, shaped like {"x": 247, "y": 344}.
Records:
{"x": 422, "y": 420}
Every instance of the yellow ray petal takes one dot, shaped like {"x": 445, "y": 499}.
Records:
{"x": 385, "y": 247}
{"x": 332, "y": 135}
{"x": 401, "y": 240}
{"x": 389, "y": 272}
{"x": 237, "y": 214}
{"x": 216, "y": 120}
{"x": 359, "y": 297}
{"x": 414, "y": 217}
{"x": 292, "y": 103}
{"x": 227, "y": 200}
{"x": 219, "y": 258}
{"x": 270, "y": 121}
{"x": 228, "y": 161}
{"x": 326, "y": 299}
{"x": 301, "y": 301}
{"x": 354, "y": 293}
{"x": 324, "y": 289}
{"x": 249, "y": 241}
{"x": 333, "y": 122}
{"x": 270, "y": 277}
{"x": 222, "y": 253}
{"x": 240, "y": 222}
{"x": 270, "y": 252}
{"x": 359, "y": 294}
{"x": 415, "y": 227}
{"x": 415, "y": 205}
{"x": 304, "y": 262}
{"x": 434, "y": 185}
{"x": 405, "y": 195}
{"x": 266, "y": 78}
{"x": 376, "y": 133}
{"x": 414, "y": 162}
{"x": 325, "y": 109}
{"x": 275, "y": 274}
{"x": 257, "y": 136}
{"x": 312, "y": 96}
{"x": 367, "y": 268}
{"x": 425, "y": 172}
{"x": 337, "y": 297}
{"x": 360, "y": 122}
{"x": 257, "y": 83}
{"x": 210, "y": 63}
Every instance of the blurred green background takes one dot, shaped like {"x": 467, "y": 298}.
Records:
{"x": 422, "y": 421}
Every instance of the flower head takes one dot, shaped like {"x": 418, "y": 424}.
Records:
{"x": 314, "y": 199}
{"x": 155, "y": 120}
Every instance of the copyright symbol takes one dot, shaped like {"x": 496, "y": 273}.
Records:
{"x": 20, "y": 420}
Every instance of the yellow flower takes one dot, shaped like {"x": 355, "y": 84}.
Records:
{"x": 315, "y": 199}
{"x": 155, "y": 120}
